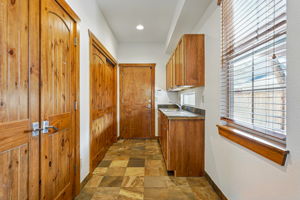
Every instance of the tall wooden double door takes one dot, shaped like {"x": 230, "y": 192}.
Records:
{"x": 37, "y": 96}
{"x": 103, "y": 127}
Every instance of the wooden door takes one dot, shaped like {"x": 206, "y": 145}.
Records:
{"x": 19, "y": 100}
{"x": 137, "y": 101}
{"x": 58, "y": 95}
{"x": 102, "y": 103}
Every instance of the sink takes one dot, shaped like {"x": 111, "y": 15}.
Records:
{"x": 178, "y": 113}
{"x": 170, "y": 110}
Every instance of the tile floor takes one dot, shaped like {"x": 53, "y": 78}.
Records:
{"x": 134, "y": 170}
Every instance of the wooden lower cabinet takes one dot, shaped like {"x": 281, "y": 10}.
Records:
{"x": 182, "y": 144}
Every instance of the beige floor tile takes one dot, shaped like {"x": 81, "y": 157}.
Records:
{"x": 197, "y": 181}
{"x": 115, "y": 171}
{"x": 156, "y": 194}
{"x": 155, "y": 172}
{"x": 155, "y": 164}
{"x": 107, "y": 193}
{"x": 133, "y": 181}
{"x": 119, "y": 163}
{"x": 131, "y": 194}
{"x": 100, "y": 171}
{"x": 156, "y": 181}
{"x": 94, "y": 181}
{"x": 135, "y": 171}
{"x": 205, "y": 193}
{"x": 181, "y": 193}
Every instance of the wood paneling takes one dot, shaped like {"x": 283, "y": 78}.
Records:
{"x": 19, "y": 100}
{"x": 102, "y": 101}
{"x": 182, "y": 143}
{"x": 58, "y": 96}
{"x": 137, "y": 100}
{"x": 267, "y": 149}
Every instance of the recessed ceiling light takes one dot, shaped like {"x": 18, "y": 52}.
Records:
{"x": 140, "y": 27}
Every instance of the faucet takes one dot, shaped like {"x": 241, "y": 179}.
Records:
{"x": 180, "y": 106}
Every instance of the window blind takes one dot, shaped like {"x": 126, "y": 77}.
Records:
{"x": 253, "y": 75}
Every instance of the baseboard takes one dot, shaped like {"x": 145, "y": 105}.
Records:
{"x": 215, "y": 187}
{"x": 85, "y": 181}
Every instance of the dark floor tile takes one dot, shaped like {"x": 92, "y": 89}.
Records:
{"x": 136, "y": 162}
{"x": 104, "y": 163}
{"x": 86, "y": 194}
{"x": 111, "y": 181}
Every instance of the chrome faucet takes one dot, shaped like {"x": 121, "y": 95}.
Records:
{"x": 180, "y": 106}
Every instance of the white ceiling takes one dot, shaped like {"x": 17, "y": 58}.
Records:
{"x": 124, "y": 15}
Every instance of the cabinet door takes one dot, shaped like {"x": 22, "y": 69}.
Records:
{"x": 173, "y": 85}
{"x": 163, "y": 134}
{"x": 169, "y": 75}
{"x": 159, "y": 127}
{"x": 194, "y": 65}
{"x": 165, "y": 137}
{"x": 179, "y": 68}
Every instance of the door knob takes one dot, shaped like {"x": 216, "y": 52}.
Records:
{"x": 149, "y": 106}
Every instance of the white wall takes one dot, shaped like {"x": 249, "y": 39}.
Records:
{"x": 242, "y": 174}
{"x": 149, "y": 53}
{"x": 91, "y": 19}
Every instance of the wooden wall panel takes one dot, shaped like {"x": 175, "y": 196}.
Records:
{"x": 102, "y": 102}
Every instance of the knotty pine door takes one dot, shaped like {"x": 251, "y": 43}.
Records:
{"x": 19, "y": 99}
{"x": 58, "y": 94}
{"x": 137, "y": 100}
{"x": 102, "y": 104}
{"x": 37, "y": 83}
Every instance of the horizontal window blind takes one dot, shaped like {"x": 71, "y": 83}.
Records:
{"x": 253, "y": 74}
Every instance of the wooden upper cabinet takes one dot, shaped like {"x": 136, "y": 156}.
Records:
{"x": 173, "y": 71}
{"x": 187, "y": 63}
{"x": 169, "y": 75}
{"x": 179, "y": 70}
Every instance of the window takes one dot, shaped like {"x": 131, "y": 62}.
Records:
{"x": 254, "y": 65}
{"x": 188, "y": 99}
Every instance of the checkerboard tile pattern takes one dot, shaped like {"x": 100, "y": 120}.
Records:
{"x": 135, "y": 170}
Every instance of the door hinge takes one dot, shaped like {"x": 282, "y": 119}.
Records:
{"x": 75, "y": 105}
{"x": 75, "y": 41}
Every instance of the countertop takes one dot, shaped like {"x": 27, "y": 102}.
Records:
{"x": 175, "y": 113}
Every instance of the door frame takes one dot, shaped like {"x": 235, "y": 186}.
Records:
{"x": 152, "y": 67}
{"x": 76, "y": 55}
{"x": 94, "y": 42}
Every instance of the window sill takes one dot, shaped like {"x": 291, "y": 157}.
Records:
{"x": 265, "y": 148}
